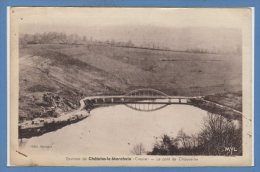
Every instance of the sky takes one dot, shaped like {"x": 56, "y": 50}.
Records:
{"x": 168, "y": 17}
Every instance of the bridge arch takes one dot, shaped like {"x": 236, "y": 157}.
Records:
{"x": 146, "y": 92}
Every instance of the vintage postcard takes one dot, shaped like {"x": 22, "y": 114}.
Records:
{"x": 96, "y": 86}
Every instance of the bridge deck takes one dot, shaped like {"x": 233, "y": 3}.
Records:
{"x": 141, "y": 97}
{"x": 138, "y": 102}
{"x": 90, "y": 102}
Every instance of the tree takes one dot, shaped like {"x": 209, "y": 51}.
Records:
{"x": 138, "y": 149}
{"x": 217, "y": 133}
{"x": 184, "y": 139}
{"x": 167, "y": 146}
{"x": 129, "y": 43}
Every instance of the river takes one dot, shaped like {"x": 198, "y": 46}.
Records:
{"x": 115, "y": 130}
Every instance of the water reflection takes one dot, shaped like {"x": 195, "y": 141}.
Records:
{"x": 146, "y": 107}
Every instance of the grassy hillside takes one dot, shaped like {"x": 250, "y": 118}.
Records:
{"x": 233, "y": 100}
{"x": 54, "y": 77}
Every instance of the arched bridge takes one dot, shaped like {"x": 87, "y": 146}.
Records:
{"x": 141, "y": 99}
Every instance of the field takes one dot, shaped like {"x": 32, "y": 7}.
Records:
{"x": 54, "y": 77}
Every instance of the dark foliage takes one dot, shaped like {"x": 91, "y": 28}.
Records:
{"x": 217, "y": 137}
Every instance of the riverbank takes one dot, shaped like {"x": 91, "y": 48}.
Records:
{"x": 39, "y": 126}
{"x": 212, "y": 107}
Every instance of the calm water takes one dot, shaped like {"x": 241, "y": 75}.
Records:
{"x": 115, "y": 130}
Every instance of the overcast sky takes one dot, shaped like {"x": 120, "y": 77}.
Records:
{"x": 85, "y": 17}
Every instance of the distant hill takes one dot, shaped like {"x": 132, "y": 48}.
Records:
{"x": 203, "y": 39}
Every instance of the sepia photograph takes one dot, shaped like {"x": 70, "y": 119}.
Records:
{"x": 96, "y": 86}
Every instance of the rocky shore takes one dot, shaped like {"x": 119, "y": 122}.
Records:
{"x": 39, "y": 126}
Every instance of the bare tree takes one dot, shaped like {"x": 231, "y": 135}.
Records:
{"x": 216, "y": 134}
{"x": 184, "y": 139}
{"x": 138, "y": 149}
